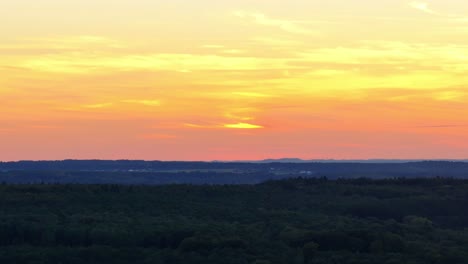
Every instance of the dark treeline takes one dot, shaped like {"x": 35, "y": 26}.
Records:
{"x": 134, "y": 178}
{"x": 413, "y": 221}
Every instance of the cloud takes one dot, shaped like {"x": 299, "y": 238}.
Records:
{"x": 81, "y": 63}
{"x": 391, "y": 57}
{"x": 241, "y": 113}
{"x": 198, "y": 125}
{"x": 238, "y": 117}
{"x": 422, "y": 6}
{"x": 243, "y": 126}
{"x": 240, "y": 125}
{"x": 97, "y": 106}
{"x": 251, "y": 94}
{"x": 285, "y": 25}
{"x": 450, "y": 96}
{"x": 304, "y": 69}
{"x": 144, "y": 102}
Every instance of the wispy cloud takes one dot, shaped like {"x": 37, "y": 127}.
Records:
{"x": 190, "y": 125}
{"x": 286, "y": 25}
{"x": 240, "y": 125}
{"x": 450, "y": 96}
{"x": 422, "y": 6}
{"x": 241, "y": 113}
{"x": 81, "y": 63}
{"x": 243, "y": 126}
{"x": 144, "y": 102}
{"x": 251, "y": 94}
{"x": 96, "y": 106}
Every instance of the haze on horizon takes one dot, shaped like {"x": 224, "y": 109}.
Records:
{"x": 233, "y": 80}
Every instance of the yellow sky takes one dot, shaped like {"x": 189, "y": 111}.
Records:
{"x": 248, "y": 79}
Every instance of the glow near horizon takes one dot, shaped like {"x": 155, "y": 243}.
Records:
{"x": 185, "y": 80}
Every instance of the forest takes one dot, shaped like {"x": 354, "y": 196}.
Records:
{"x": 313, "y": 220}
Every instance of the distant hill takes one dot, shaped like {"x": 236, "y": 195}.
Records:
{"x": 297, "y": 160}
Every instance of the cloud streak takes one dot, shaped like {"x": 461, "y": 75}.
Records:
{"x": 243, "y": 126}
{"x": 84, "y": 64}
{"x": 285, "y": 25}
{"x": 97, "y": 106}
{"x": 422, "y": 6}
{"x": 144, "y": 102}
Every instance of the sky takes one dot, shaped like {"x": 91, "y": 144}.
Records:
{"x": 233, "y": 80}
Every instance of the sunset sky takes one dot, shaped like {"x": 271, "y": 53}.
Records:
{"x": 233, "y": 80}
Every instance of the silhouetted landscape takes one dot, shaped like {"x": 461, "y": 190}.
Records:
{"x": 240, "y": 212}
{"x": 415, "y": 221}
{"x": 159, "y": 172}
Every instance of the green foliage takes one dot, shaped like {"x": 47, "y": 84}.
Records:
{"x": 292, "y": 221}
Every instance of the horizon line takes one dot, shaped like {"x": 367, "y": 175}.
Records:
{"x": 267, "y": 160}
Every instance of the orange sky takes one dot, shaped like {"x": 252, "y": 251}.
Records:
{"x": 225, "y": 80}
